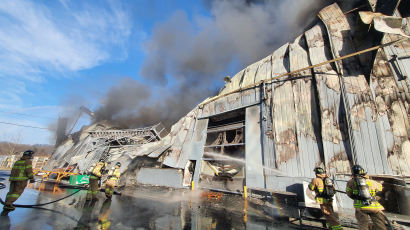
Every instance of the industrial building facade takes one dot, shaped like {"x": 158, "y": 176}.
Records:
{"x": 268, "y": 133}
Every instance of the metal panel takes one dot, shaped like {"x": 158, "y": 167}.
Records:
{"x": 265, "y": 69}
{"x": 253, "y": 149}
{"x": 250, "y": 74}
{"x": 175, "y": 158}
{"x": 393, "y": 117}
{"x": 368, "y": 150}
{"x": 164, "y": 144}
{"x": 268, "y": 146}
{"x": 187, "y": 144}
{"x": 231, "y": 102}
{"x": 278, "y": 67}
{"x": 160, "y": 177}
{"x": 198, "y": 140}
{"x": 197, "y": 147}
{"x": 283, "y": 125}
{"x": 398, "y": 56}
{"x": 328, "y": 87}
{"x": 307, "y": 119}
{"x": 284, "y": 119}
{"x": 234, "y": 83}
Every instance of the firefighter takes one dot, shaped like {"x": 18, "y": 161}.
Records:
{"x": 324, "y": 189}
{"x": 113, "y": 175}
{"x": 21, "y": 172}
{"x": 95, "y": 177}
{"x": 363, "y": 191}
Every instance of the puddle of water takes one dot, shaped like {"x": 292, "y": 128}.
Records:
{"x": 149, "y": 210}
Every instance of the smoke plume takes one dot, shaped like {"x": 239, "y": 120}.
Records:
{"x": 187, "y": 58}
{"x": 131, "y": 104}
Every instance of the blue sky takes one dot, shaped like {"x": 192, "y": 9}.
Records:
{"x": 51, "y": 49}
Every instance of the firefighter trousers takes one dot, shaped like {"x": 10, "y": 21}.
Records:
{"x": 330, "y": 216}
{"x": 378, "y": 219}
{"x": 92, "y": 188}
{"x": 16, "y": 189}
{"x": 109, "y": 187}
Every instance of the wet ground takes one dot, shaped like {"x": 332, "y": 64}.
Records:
{"x": 145, "y": 208}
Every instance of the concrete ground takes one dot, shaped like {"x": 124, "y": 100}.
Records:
{"x": 144, "y": 208}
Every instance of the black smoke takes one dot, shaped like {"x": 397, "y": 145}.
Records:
{"x": 187, "y": 58}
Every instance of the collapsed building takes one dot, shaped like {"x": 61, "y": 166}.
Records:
{"x": 303, "y": 106}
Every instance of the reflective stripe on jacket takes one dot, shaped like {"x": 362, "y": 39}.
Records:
{"x": 114, "y": 175}
{"x": 22, "y": 170}
{"x": 352, "y": 191}
{"x": 98, "y": 168}
{"x": 318, "y": 186}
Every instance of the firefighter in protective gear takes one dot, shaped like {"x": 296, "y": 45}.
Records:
{"x": 113, "y": 175}
{"x": 95, "y": 177}
{"x": 363, "y": 191}
{"x": 324, "y": 189}
{"x": 21, "y": 172}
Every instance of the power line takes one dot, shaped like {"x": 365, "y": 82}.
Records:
{"x": 25, "y": 114}
{"x": 27, "y": 126}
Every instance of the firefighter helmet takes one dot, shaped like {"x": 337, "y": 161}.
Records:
{"x": 358, "y": 170}
{"x": 118, "y": 164}
{"x": 28, "y": 153}
{"x": 102, "y": 160}
{"x": 319, "y": 170}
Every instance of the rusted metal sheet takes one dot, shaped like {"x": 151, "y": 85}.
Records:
{"x": 368, "y": 149}
{"x": 393, "y": 115}
{"x": 328, "y": 89}
{"x": 253, "y": 149}
{"x": 309, "y": 139}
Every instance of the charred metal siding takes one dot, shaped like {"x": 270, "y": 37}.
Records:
{"x": 392, "y": 113}
{"x": 306, "y": 109}
{"x": 367, "y": 148}
{"x": 335, "y": 143}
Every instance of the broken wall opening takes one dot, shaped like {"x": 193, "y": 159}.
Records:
{"x": 224, "y": 152}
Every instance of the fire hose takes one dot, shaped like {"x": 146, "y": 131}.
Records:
{"x": 2, "y": 186}
{"x": 84, "y": 188}
{"x": 39, "y": 205}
